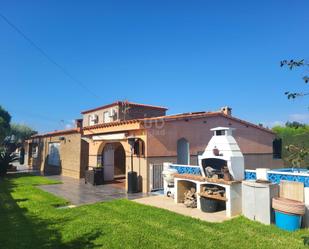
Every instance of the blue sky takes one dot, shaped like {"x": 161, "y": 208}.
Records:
{"x": 186, "y": 55}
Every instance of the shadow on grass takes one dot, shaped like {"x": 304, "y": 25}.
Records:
{"x": 20, "y": 228}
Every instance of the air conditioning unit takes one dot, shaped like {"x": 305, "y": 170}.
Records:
{"x": 94, "y": 118}
{"x": 112, "y": 113}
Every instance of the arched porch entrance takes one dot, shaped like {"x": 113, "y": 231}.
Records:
{"x": 114, "y": 161}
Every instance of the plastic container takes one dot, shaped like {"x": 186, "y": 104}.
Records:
{"x": 286, "y": 221}
{"x": 209, "y": 205}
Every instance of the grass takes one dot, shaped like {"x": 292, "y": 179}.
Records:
{"x": 29, "y": 219}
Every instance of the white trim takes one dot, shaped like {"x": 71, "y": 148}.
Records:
{"x": 184, "y": 165}
{"x": 288, "y": 173}
{"x": 117, "y": 136}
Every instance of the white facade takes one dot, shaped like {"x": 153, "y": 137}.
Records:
{"x": 228, "y": 150}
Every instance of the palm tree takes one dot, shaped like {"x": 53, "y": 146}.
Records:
{"x": 6, "y": 158}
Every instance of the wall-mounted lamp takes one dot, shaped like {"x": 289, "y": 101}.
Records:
{"x": 62, "y": 138}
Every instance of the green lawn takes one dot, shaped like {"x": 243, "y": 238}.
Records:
{"x": 29, "y": 219}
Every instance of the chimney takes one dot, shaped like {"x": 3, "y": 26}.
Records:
{"x": 226, "y": 110}
{"x": 78, "y": 123}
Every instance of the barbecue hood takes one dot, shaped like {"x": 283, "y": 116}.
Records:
{"x": 223, "y": 150}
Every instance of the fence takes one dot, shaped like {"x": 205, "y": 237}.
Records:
{"x": 156, "y": 178}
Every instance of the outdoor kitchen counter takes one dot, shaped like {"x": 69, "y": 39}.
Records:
{"x": 205, "y": 179}
{"x": 232, "y": 191}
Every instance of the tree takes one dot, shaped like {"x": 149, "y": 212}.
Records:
{"x": 5, "y": 119}
{"x": 297, "y": 154}
{"x": 21, "y": 132}
{"x": 291, "y": 64}
{"x": 295, "y": 124}
{"x": 294, "y": 139}
{"x": 6, "y": 158}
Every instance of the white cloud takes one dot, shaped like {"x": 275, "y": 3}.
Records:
{"x": 70, "y": 125}
{"x": 271, "y": 124}
{"x": 299, "y": 117}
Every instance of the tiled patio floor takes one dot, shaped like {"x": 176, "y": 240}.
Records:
{"x": 164, "y": 202}
{"x": 78, "y": 193}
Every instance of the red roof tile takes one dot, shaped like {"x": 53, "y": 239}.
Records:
{"x": 58, "y": 132}
{"x": 116, "y": 123}
{"x": 121, "y": 103}
{"x": 182, "y": 116}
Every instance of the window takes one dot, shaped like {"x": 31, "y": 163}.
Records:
{"x": 93, "y": 119}
{"x": 106, "y": 117}
{"x": 277, "y": 148}
{"x": 53, "y": 154}
{"x": 34, "y": 150}
{"x": 220, "y": 132}
{"x": 183, "y": 151}
{"x": 139, "y": 147}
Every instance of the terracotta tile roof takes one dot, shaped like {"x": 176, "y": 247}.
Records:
{"x": 121, "y": 103}
{"x": 57, "y": 133}
{"x": 189, "y": 115}
{"x": 116, "y": 123}
{"x": 182, "y": 116}
{"x": 195, "y": 115}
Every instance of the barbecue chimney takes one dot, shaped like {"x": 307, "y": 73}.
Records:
{"x": 223, "y": 150}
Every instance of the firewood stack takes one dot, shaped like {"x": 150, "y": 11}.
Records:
{"x": 190, "y": 198}
{"x": 213, "y": 192}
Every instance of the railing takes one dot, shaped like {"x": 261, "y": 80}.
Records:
{"x": 156, "y": 177}
{"x": 277, "y": 176}
{"x": 250, "y": 174}
{"x": 187, "y": 169}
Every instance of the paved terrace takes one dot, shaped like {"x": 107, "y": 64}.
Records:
{"x": 167, "y": 203}
{"x": 78, "y": 193}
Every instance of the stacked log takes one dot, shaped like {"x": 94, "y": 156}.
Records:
{"x": 213, "y": 192}
{"x": 190, "y": 200}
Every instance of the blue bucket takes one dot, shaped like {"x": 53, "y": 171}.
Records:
{"x": 288, "y": 222}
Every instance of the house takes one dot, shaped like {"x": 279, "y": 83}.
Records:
{"x": 101, "y": 139}
{"x": 166, "y": 138}
{"x": 60, "y": 152}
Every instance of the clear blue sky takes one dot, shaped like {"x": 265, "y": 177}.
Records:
{"x": 186, "y": 55}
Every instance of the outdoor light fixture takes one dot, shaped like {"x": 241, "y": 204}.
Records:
{"x": 132, "y": 176}
{"x": 131, "y": 141}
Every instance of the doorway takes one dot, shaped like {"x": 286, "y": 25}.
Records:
{"x": 114, "y": 161}
{"x": 119, "y": 161}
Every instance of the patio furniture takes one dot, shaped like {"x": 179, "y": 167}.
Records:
{"x": 95, "y": 176}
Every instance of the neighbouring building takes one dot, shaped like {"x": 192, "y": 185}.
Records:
{"x": 101, "y": 139}
{"x": 60, "y": 152}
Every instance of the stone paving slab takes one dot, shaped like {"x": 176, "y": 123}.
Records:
{"x": 164, "y": 202}
{"x": 78, "y": 193}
